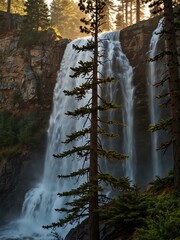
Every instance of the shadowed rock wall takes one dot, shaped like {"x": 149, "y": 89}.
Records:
{"x": 27, "y": 79}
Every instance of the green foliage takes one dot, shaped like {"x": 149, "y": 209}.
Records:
{"x": 163, "y": 221}
{"x": 160, "y": 183}
{"x": 128, "y": 210}
{"x": 65, "y": 15}
{"x": 36, "y": 21}
{"x": 3, "y": 6}
{"x": 19, "y": 130}
{"x": 108, "y": 11}
{"x": 9, "y": 151}
{"x": 30, "y": 37}
{"x": 37, "y": 15}
{"x": 145, "y": 215}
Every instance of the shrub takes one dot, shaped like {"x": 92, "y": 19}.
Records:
{"x": 159, "y": 184}
{"x": 128, "y": 210}
{"x": 163, "y": 222}
{"x": 20, "y": 130}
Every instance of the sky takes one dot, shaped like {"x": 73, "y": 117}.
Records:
{"x": 48, "y": 2}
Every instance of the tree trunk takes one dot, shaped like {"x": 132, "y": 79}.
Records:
{"x": 137, "y": 10}
{"x": 9, "y": 13}
{"x": 174, "y": 86}
{"x": 126, "y": 11}
{"x": 93, "y": 201}
{"x": 131, "y": 13}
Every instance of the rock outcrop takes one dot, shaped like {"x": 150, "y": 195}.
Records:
{"x": 27, "y": 79}
{"x": 135, "y": 42}
{"x": 27, "y": 76}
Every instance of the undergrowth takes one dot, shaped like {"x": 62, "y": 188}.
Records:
{"x": 150, "y": 215}
{"x": 16, "y": 132}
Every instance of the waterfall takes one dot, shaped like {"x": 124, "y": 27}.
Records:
{"x": 156, "y": 73}
{"x": 41, "y": 201}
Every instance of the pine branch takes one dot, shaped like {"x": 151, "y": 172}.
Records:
{"x": 164, "y": 146}
{"x": 78, "y": 150}
{"x": 105, "y": 80}
{"x": 162, "y": 95}
{"x": 68, "y": 219}
{"x": 88, "y": 47}
{"x": 80, "y": 112}
{"x": 76, "y": 135}
{"x": 107, "y": 134}
{"x": 83, "y": 69}
{"x": 162, "y": 125}
{"x": 115, "y": 183}
{"x": 80, "y": 91}
{"x": 106, "y": 106}
{"x": 81, "y": 190}
{"x": 84, "y": 189}
{"x": 80, "y": 172}
{"x": 111, "y": 154}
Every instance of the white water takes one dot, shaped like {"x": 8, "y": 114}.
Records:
{"x": 156, "y": 73}
{"x": 41, "y": 201}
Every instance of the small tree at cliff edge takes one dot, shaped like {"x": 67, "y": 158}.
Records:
{"x": 89, "y": 195}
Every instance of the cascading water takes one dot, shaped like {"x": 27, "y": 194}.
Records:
{"x": 122, "y": 93}
{"x": 156, "y": 73}
{"x": 41, "y": 201}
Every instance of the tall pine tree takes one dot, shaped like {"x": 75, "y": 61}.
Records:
{"x": 65, "y": 15}
{"x": 88, "y": 196}
{"x": 36, "y": 15}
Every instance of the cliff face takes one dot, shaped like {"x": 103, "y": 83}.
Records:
{"x": 27, "y": 79}
{"x": 27, "y": 76}
{"x": 135, "y": 42}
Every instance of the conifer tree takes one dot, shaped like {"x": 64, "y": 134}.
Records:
{"x": 37, "y": 15}
{"x": 3, "y": 5}
{"x": 65, "y": 15}
{"x": 88, "y": 196}
{"x": 17, "y": 6}
{"x": 109, "y": 9}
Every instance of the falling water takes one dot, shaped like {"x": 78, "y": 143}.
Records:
{"x": 41, "y": 201}
{"x": 156, "y": 73}
{"x": 122, "y": 93}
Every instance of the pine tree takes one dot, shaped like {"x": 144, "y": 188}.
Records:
{"x": 109, "y": 9}
{"x": 37, "y": 15}
{"x": 137, "y": 10}
{"x": 17, "y": 6}
{"x": 3, "y": 5}
{"x": 88, "y": 196}
{"x": 120, "y": 21}
{"x": 9, "y": 13}
{"x": 65, "y": 15}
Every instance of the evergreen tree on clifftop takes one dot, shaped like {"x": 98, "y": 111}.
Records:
{"x": 35, "y": 22}
{"x": 65, "y": 15}
{"x": 37, "y": 15}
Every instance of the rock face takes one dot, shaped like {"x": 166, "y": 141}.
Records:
{"x": 27, "y": 76}
{"x": 135, "y": 42}
{"x": 27, "y": 79}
